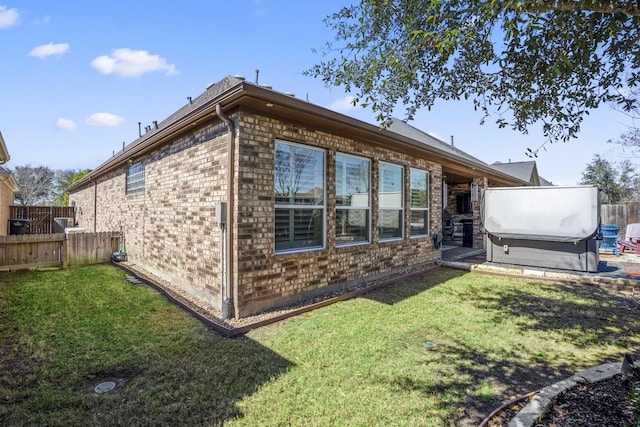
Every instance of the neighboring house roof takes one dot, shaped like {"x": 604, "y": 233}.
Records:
{"x": 545, "y": 183}
{"x": 7, "y": 177}
{"x": 526, "y": 171}
{"x": 232, "y": 93}
{"x": 4, "y": 154}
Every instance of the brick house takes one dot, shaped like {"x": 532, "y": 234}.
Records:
{"x": 8, "y": 188}
{"x": 308, "y": 201}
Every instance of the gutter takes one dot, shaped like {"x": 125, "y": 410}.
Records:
{"x": 230, "y": 282}
{"x": 176, "y": 124}
{"x": 255, "y": 97}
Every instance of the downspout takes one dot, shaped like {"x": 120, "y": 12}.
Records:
{"x": 231, "y": 147}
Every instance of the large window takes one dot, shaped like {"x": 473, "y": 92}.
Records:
{"x": 299, "y": 197}
{"x": 135, "y": 178}
{"x": 390, "y": 201}
{"x": 353, "y": 211}
{"x": 419, "y": 202}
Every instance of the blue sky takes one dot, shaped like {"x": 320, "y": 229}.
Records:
{"x": 78, "y": 76}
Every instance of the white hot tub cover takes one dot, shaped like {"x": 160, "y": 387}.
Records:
{"x": 557, "y": 214}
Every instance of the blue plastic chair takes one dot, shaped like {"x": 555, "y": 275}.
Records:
{"x": 610, "y": 237}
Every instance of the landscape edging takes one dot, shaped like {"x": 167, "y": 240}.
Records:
{"x": 538, "y": 405}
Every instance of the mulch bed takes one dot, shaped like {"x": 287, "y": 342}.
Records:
{"x": 604, "y": 403}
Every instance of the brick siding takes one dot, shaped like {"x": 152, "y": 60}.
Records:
{"x": 169, "y": 229}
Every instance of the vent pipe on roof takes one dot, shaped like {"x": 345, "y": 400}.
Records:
{"x": 155, "y": 123}
{"x": 190, "y": 100}
{"x": 139, "y": 129}
{"x": 257, "y": 74}
{"x": 452, "y": 141}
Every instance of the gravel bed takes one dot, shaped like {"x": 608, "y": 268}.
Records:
{"x": 214, "y": 315}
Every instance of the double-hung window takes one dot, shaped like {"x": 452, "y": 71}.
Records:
{"x": 135, "y": 178}
{"x": 419, "y": 202}
{"x": 353, "y": 199}
{"x": 390, "y": 201}
{"x": 299, "y": 197}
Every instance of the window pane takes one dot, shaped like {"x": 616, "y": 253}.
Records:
{"x": 299, "y": 175}
{"x": 390, "y": 186}
{"x": 419, "y": 222}
{"x": 135, "y": 178}
{"x": 390, "y": 224}
{"x": 298, "y": 228}
{"x": 419, "y": 185}
{"x": 352, "y": 226}
{"x": 352, "y": 181}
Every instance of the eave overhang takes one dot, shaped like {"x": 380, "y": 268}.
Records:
{"x": 236, "y": 94}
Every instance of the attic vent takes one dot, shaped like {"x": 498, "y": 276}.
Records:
{"x": 293, "y": 95}
{"x": 267, "y": 86}
{"x": 239, "y": 77}
{"x": 210, "y": 85}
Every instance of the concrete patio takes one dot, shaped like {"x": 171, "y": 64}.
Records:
{"x": 623, "y": 270}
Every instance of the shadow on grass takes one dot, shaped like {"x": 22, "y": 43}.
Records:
{"x": 169, "y": 388}
{"x": 200, "y": 387}
{"x": 410, "y": 287}
{"x": 467, "y": 399}
{"x": 581, "y": 314}
{"x": 588, "y": 316}
{"x": 168, "y": 368}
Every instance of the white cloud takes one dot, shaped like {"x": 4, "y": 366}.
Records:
{"x": 8, "y": 17}
{"x": 63, "y": 123}
{"x": 343, "y": 104}
{"x": 49, "y": 49}
{"x": 43, "y": 21}
{"x": 131, "y": 63}
{"x": 104, "y": 120}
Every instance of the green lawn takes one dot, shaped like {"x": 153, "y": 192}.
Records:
{"x": 360, "y": 362}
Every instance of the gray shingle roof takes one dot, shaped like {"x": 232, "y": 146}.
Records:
{"x": 402, "y": 128}
{"x": 522, "y": 170}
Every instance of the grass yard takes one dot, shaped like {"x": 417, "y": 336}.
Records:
{"x": 361, "y": 362}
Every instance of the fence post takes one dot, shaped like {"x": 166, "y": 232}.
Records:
{"x": 65, "y": 252}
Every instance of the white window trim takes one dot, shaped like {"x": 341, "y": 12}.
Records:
{"x": 136, "y": 185}
{"x": 310, "y": 207}
{"x": 368, "y": 208}
{"x": 401, "y": 209}
{"x": 428, "y": 209}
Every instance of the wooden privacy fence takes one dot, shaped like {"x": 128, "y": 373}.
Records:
{"x": 620, "y": 215}
{"x": 49, "y": 250}
{"x": 42, "y": 219}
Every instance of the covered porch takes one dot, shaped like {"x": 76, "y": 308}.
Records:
{"x": 462, "y": 189}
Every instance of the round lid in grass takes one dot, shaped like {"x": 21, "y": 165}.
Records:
{"x": 105, "y": 387}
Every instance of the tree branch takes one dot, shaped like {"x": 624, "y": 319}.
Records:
{"x": 629, "y": 8}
